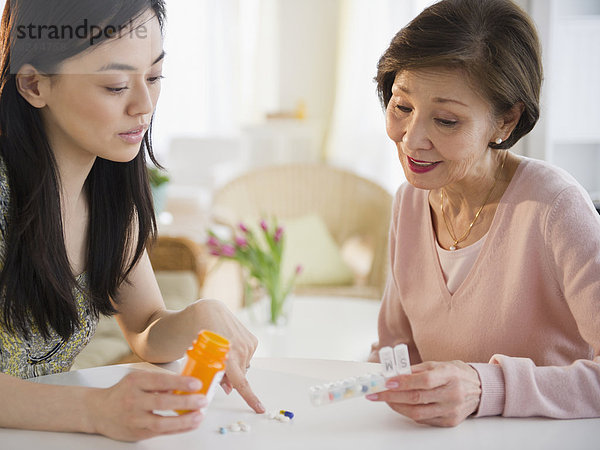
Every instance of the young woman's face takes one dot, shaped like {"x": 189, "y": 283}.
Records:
{"x": 102, "y": 101}
{"x": 440, "y": 125}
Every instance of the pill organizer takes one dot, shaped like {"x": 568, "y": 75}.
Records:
{"x": 395, "y": 361}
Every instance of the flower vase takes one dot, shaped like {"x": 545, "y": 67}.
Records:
{"x": 268, "y": 307}
{"x": 279, "y": 307}
{"x": 159, "y": 197}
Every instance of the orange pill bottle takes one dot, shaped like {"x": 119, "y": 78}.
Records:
{"x": 206, "y": 362}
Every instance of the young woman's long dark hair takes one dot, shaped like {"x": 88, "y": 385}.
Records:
{"x": 36, "y": 282}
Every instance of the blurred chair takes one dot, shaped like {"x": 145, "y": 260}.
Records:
{"x": 355, "y": 211}
{"x": 180, "y": 268}
{"x": 178, "y": 258}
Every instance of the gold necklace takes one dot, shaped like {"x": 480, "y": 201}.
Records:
{"x": 468, "y": 232}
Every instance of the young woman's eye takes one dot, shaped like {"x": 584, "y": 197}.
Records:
{"x": 446, "y": 122}
{"x": 117, "y": 90}
{"x": 155, "y": 79}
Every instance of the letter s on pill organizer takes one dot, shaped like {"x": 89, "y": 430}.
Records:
{"x": 395, "y": 361}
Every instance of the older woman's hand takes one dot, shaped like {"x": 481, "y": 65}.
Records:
{"x": 218, "y": 318}
{"x": 436, "y": 393}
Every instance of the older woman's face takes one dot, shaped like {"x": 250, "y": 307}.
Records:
{"x": 441, "y": 127}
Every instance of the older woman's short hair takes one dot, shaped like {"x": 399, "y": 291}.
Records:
{"x": 493, "y": 42}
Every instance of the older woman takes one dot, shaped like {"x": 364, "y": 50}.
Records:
{"x": 495, "y": 258}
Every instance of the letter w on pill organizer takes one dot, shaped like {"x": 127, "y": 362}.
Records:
{"x": 395, "y": 361}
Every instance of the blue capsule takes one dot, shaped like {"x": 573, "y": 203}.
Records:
{"x": 287, "y": 413}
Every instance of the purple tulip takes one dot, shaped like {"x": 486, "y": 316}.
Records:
{"x": 212, "y": 242}
{"x": 215, "y": 252}
{"x": 278, "y": 234}
{"x": 228, "y": 250}
{"x": 263, "y": 225}
{"x": 241, "y": 242}
{"x": 243, "y": 227}
{"x": 299, "y": 269}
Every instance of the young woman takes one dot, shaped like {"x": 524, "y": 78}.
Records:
{"x": 79, "y": 82}
{"x": 495, "y": 258}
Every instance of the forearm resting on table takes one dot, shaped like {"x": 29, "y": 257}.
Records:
{"x": 36, "y": 406}
{"x": 170, "y": 333}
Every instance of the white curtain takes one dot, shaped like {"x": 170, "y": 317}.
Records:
{"x": 219, "y": 56}
{"x": 357, "y": 137}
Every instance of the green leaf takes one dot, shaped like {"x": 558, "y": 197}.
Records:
{"x": 156, "y": 176}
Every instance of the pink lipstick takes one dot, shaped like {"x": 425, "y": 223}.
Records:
{"x": 421, "y": 166}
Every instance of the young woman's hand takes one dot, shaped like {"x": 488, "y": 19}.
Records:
{"x": 125, "y": 410}
{"x": 218, "y": 318}
{"x": 436, "y": 393}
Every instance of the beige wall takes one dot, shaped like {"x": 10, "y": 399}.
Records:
{"x": 308, "y": 31}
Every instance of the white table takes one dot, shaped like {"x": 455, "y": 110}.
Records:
{"x": 321, "y": 327}
{"x": 282, "y": 383}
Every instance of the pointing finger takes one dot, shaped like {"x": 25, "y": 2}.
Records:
{"x": 238, "y": 380}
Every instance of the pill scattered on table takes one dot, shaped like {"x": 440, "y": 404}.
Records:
{"x": 287, "y": 413}
{"x": 235, "y": 427}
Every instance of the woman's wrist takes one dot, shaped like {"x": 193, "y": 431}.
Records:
{"x": 91, "y": 399}
{"x": 491, "y": 402}
{"x": 476, "y": 410}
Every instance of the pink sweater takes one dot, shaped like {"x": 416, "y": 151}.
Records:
{"x": 527, "y": 317}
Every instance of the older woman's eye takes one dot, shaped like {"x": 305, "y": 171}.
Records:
{"x": 404, "y": 109}
{"x": 446, "y": 123}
